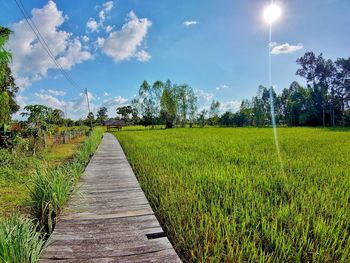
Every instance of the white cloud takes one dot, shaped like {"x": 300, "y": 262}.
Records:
{"x": 143, "y": 56}
{"x": 74, "y": 54}
{"x": 56, "y": 92}
{"x": 49, "y": 100}
{"x": 190, "y": 23}
{"x": 30, "y": 61}
{"x": 100, "y": 41}
{"x": 102, "y": 15}
{"x": 107, "y": 94}
{"x": 108, "y": 6}
{"x": 126, "y": 43}
{"x": 92, "y": 25}
{"x": 109, "y": 28}
{"x": 286, "y": 48}
{"x": 116, "y": 101}
{"x": 222, "y": 86}
{"x": 231, "y": 106}
{"x": 201, "y": 94}
{"x": 85, "y": 38}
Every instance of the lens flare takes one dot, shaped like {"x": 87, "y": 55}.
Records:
{"x": 272, "y": 13}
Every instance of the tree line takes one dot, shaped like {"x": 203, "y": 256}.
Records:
{"x": 324, "y": 101}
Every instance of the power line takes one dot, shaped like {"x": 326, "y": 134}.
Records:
{"x": 44, "y": 44}
{"x": 46, "y": 47}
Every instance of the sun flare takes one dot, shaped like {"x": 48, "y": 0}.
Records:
{"x": 272, "y": 13}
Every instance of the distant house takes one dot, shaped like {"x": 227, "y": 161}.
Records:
{"x": 114, "y": 124}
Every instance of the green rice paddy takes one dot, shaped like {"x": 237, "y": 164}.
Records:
{"x": 221, "y": 195}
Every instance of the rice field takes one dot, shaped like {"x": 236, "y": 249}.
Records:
{"x": 221, "y": 195}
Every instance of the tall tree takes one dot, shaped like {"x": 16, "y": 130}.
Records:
{"x": 90, "y": 119}
{"x": 101, "y": 115}
{"x": 168, "y": 105}
{"x": 342, "y": 85}
{"x": 38, "y": 119}
{"x": 7, "y": 82}
{"x": 192, "y": 106}
{"x": 319, "y": 73}
{"x": 182, "y": 91}
{"x": 125, "y": 111}
{"x": 214, "y": 112}
{"x": 146, "y": 103}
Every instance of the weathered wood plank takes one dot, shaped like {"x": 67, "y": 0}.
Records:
{"x": 109, "y": 218}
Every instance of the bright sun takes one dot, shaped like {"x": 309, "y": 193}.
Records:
{"x": 272, "y": 13}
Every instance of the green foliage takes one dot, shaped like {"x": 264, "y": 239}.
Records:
{"x": 5, "y": 56}
{"x": 5, "y": 110}
{"x": 168, "y": 106}
{"x": 6, "y": 158}
{"x": 19, "y": 240}
{"x": 221, "y": 196}
{"x": 101, "y": 115}
{"x": 125, "y": 111}
{"x": 165, "y": 102}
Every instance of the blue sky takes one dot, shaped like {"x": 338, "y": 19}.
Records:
{"x": 217, "y": 47}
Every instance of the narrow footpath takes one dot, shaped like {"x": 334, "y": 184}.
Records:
{"x": 109, "y": 219}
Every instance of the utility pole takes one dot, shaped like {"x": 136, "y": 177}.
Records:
{"x": 88, "y": 103}
{"x": 65, "y": 111}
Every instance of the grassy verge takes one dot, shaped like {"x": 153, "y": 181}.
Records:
{"x": 49, "y": 190}
{"x": 51, "y": 187}
{"x": 17, "y": 171}
{"x": 221, "y": 196}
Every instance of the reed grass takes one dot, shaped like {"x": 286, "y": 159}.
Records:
{"x": 20, "y": 242}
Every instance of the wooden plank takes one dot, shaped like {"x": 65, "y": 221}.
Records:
{"x": 109, "y": 217}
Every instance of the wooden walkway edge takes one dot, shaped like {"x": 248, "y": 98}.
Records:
{"x": 110, "y": 219}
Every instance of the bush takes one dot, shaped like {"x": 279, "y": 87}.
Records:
{"x": 19, "y": 240}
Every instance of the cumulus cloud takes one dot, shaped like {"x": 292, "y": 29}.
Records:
{"x": 109, "y": 28}
{"x": 56, "y": 92}
{"x": 92, "y": 25}
{"x": 85, "y": 38}
{"x": 116, "y": 101}
{"x": 278, "y": 49}
{"x": 108, "y": 6}
{"x": 231, "y": 106}
{"x": 30, "y": 61}
{"x": 201, "y": 94}
{"x": 126, "y": 43}
{"x": 190, "y": 23}
{"x": 143, "y": 56}
{"x": 221, "y": 87}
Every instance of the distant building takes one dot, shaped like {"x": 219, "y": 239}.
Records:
{"x": 114, "y": 124}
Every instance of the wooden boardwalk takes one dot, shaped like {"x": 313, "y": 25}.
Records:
{"x": 110, "y": 220}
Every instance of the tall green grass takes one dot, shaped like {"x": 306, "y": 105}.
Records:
{"x": 221, "y": 196}
{"x": 51, "y": 188}
{"x": 19, "y": 240}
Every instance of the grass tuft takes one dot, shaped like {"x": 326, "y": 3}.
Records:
{"x": 19, "y": 240}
